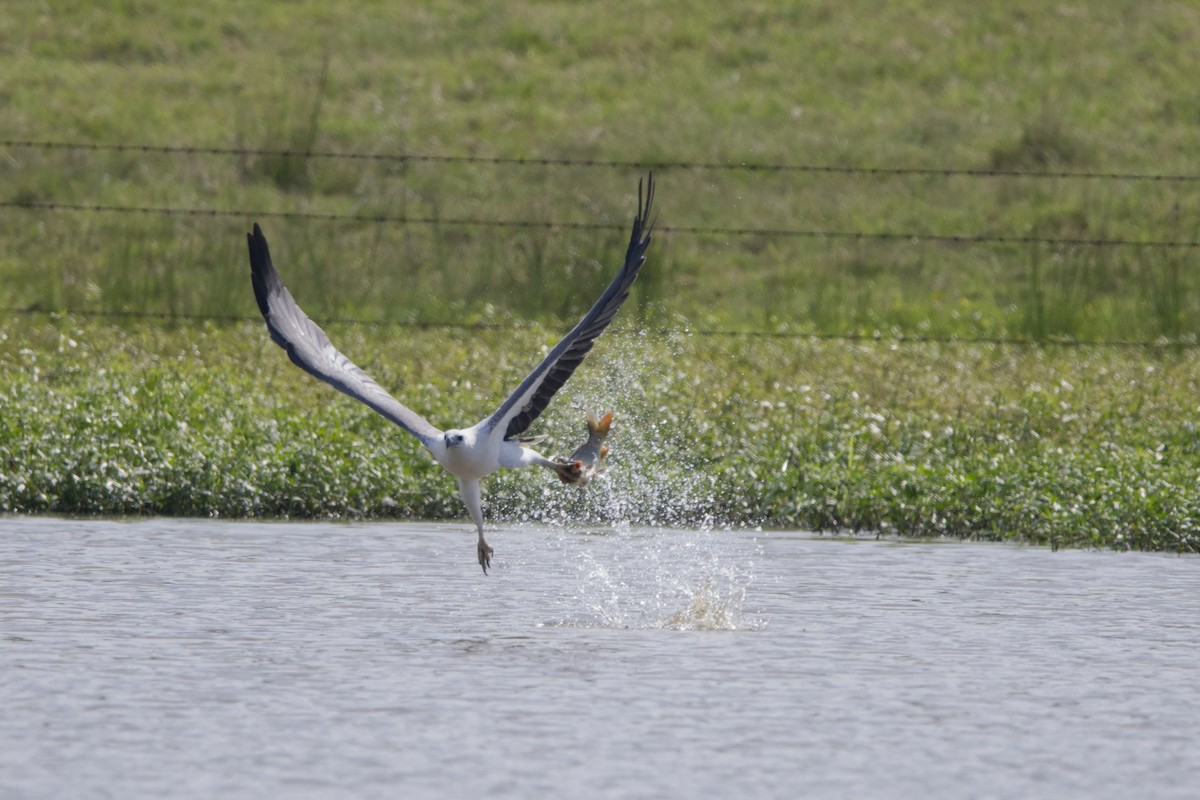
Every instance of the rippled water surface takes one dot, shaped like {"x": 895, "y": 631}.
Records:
{"x": 189, "y": 659}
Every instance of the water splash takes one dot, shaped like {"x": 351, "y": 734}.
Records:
{"x": 678, "y": 568}
{"x": 711, "y": 611}
{"x": 659, "y": 473}
{"x": 661, "y": 579}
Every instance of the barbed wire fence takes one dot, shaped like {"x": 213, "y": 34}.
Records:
{"x": 903, "y": 236}
{"x": 599, "y": 163}
{"x": 1184, "y": 244}
{"x": 513, "y": 325}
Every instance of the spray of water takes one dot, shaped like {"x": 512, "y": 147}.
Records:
{"x": 662, "y": 560}
{"x": 662, "y": 578}
{"x": 656, "y": 476}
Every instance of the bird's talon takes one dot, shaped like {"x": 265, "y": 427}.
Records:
{"x": 485, "y": 555}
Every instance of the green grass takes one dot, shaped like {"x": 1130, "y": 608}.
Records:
{"x": 1061, "y": 446}
{"x": 1102, "y": 87}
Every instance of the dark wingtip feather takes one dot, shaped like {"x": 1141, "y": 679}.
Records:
{"x": 644, "y": 211}
{"x": 260, "y": 267}
{"x": 642, "y": 224}
{"x": 579, "y": 341}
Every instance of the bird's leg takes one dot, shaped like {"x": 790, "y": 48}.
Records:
{"x": 470, "y": 495}
{"x": 485, "y": 552}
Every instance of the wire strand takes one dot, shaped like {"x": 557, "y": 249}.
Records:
{"x": 592, "y": 163}
{"x": 401, "y": 219}
{"x": 849, "y": 338}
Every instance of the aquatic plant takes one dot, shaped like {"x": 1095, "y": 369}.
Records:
{"x": 1063, "y": 446}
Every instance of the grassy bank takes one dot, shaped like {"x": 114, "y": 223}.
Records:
{"x": 1002, "y": 110}
{"x": 1070, "y": 447}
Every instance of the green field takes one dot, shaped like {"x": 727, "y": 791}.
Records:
{"x": 981, "y": 226}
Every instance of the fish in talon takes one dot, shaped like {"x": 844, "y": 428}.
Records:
{"x": 587, "y": 462}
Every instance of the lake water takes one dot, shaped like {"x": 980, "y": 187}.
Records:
{"x": 204, "y": 659}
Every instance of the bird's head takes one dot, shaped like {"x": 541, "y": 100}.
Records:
{"x": 454, "y": 438}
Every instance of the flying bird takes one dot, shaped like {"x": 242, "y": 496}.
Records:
{"x": 495, "y": 442}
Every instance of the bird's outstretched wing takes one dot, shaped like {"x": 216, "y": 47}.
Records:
{"x": 523, "y": 406}
{"x": 309, "y": 348}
